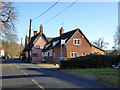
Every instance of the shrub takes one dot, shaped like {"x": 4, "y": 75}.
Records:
{"x": 90, "y": 61}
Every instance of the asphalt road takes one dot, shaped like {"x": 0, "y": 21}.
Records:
{"x": 16, "y": 74}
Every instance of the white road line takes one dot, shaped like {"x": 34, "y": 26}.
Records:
{"x": 20, "y": 69}
{"x": 24, "y": 73}
{"x": 16, "y": 66}
{"x": 30, "y": 78}
{"x": 37, "y": 84}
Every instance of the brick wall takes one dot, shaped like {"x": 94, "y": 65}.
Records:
{"x": 56, "y": 50}
{"x": 94, "y": 49}
{"x": 84, "y": 46}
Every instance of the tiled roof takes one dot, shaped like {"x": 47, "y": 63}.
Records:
{"x": 49, "y": 38}
{"x": 65, "y": 36}
{"x": 33, "y": 41}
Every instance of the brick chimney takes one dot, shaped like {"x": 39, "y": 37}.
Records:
{"x": 41, "y": 29}
{"x": 35, "y": 32}
{"x": 61, "y": 31}
{"x": 26, "y": 40}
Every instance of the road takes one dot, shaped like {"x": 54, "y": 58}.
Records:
{"x": 17, "y": 74}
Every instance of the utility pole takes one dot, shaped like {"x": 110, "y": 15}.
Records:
{"x": 29, "y": 58}
{"x": 21, "y": 50}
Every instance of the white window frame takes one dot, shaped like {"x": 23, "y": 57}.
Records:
{"x": 77, "y": 42}
{"x": 73, "y": 54}
{"x": 37, "y": 46}
{"x": 83, "y": 54}
{"x": 53, "y": 55}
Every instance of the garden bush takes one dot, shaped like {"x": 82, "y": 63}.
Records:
{"x": 90, "y": 61}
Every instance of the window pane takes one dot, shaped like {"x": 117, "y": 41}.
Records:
{"x": 71, "y": 54}
{"x": 75, "y": 54}
{"x": 53, "y": 55}
{"x": 37, "y": 47}
{"x": 78, "y": 41}
{"x": 83, "y": 54}
{"x": 35, "y": 54}
{"x": 48, "y": 53}
{"x": 75, "y": 41}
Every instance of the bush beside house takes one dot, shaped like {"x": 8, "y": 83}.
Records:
{"x": 90, "y": 61}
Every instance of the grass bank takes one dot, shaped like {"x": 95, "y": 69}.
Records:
{"x": 107, "y": 75}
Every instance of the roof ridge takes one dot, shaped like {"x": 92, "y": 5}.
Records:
{"x": 70, "y": 31}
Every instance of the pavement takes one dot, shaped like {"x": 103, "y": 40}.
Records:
{"x": 17, "y": 74}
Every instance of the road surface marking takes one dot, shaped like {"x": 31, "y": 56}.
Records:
{"x": 16, "y": 66}
{"x": 21, "y": 70}
{"x": 30, "y": 78}
{"x": 37, "y": 84}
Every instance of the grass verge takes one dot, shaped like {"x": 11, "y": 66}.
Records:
{"x": 107, "y": 75}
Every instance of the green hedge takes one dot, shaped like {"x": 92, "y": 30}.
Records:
{"x": 90, "y": 61}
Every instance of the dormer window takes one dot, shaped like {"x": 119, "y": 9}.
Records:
{"x": 76, "y": 41}
{"x": 37, "y": 46}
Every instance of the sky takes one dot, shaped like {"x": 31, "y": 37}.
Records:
{"x": 95, "y": 19}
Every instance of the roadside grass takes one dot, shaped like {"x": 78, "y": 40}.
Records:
{"x": 107, "y": 75}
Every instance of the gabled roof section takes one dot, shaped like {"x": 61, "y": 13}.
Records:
{"x": 34, "y": 40}
{"x": 82, "y": 35}
{"x": 55, "y": 42}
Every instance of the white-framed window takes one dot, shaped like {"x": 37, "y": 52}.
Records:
{"x": 48, "y": 53}
{"x": 76, "y": 41}
{"x": 53, "y": 55}
{"x": 73, "y": 54}
{"x": 37, "y": 46}
{"x": 83, "y": 54}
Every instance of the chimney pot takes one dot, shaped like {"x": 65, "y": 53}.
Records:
{"x": 41, "y": 29}
{"x": 26, "y": 40}
{"x": 61, "y": 31}
{"x": 35, "y": 32}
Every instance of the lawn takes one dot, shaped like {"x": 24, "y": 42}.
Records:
{"x": 107, "y": 75}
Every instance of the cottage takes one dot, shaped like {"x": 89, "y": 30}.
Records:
{"x": 36, "y": 45}
{"x": 115, "y": 52}
{"x": 69, "y": 45}
{"x": 2, "y": 53}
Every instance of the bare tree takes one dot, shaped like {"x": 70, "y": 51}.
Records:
{"x": 100, "y": 43}
{"x": 117, "y": 40}
{"x": 8, "y": 17}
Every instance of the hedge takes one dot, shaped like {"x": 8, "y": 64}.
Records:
{"x": 90, "y": 61}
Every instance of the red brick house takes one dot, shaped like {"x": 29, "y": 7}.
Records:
{"x": 37, "y": 44}
{"x": 76, "y": 44}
